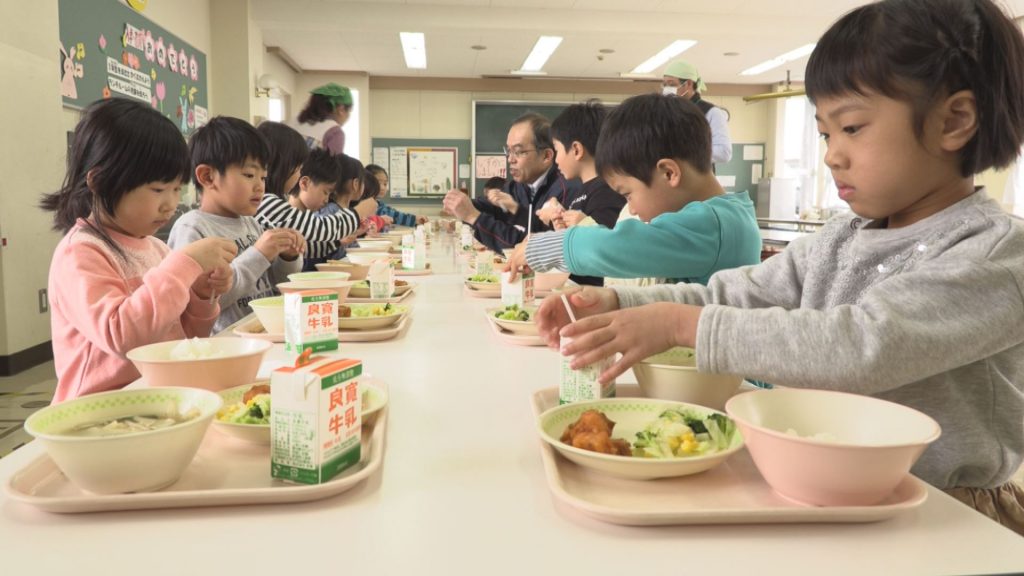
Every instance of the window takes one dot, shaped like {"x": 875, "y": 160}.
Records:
{"x": 352, "y": 139}
{"x": 275, "y": 113}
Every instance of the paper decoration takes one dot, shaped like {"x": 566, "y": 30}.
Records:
{"x": 491, "y": 166}
{"x": 172, "y": 58}
{"x": 72, "y": 70}
{"x": 150, "y": 47}
{"x": 183, "y": 62}
{"x": 398, "y": 170}
{"x": 193, "y": 68}
{"x": 103, "y": 43}
{"x": 161, "y": 53}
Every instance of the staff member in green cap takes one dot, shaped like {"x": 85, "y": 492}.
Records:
{"x": 682, "y": 79}
{"x": 321, "y": 120}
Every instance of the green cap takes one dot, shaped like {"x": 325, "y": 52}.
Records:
{"x": 686, "y": 71}
{"x": 336, "y": 93}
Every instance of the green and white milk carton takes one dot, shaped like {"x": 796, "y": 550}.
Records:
{"x": 581, "y": 385}
{"x": 519, "y": 292}
{"x": 311, "y": 321}
{"x": 316, "y": 422}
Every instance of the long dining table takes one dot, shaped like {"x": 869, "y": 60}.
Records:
{"x": 463, "y": 490}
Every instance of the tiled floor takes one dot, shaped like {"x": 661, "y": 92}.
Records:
{"x": 20, "y": 396}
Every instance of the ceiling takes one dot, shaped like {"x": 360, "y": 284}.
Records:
{"x": 349, "y": 35}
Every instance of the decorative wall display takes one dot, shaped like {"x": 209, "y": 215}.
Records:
{"x": 109, "y": 50}
{"x": 432, "y": 171}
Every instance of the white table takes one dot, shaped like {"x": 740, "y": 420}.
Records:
{"x": 462, "y": 491}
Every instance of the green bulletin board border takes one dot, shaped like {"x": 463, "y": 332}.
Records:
{"x": 106, "y": 52}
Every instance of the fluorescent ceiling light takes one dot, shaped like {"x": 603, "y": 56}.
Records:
{"x": 658, "y": 60}
{"x": 779, "y": 60}
{"x": 542, "y": 50}
{"x": 414, "y": 46}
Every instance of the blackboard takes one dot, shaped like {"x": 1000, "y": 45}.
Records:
{"x": 463, "y": 155}
{"x": 741, "y": 171}
{"x": 109, "y": 50}
{"x": 491, "y": 121}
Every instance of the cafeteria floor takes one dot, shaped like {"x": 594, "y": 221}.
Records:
{"x": 24, "y": 393}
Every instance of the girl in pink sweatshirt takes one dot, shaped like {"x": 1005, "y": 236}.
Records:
{"x": 113, "y": 286}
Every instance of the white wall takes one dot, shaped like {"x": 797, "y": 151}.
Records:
{"x": 32, "y": 152}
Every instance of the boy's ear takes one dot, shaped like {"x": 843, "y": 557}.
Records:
{"x": 577, "y": 150}
{"x": 960, "y": 120}
{"x": 305, "y": 182}
{"x": 670, "y": 171}
{"x": 205, "y": 175}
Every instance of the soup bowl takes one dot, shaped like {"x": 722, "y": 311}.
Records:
{"x": 673, "y": 375}
{"x": 138, "y": 461}
{"x": 210, "y": 363}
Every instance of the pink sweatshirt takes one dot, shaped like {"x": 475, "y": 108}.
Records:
{"x": 103, "y": 305}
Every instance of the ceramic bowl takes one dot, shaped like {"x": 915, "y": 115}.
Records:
{"x": 132, "y": 462}
{"x": 371, "y": 322}
{"x": 828, "y": 448}
{"x": 270, "y": 311}
{"x": 546, "y": 281}
{"x": 210, "y": 363}
{"x": 362, "y": 289}
{"x": 631, "y": 415}
{"x": 365, "y": 258}
{"x": 355, "y": 271}
{"x": 383, "y": 245}
{"x": 518, "y": 327}
{"x": 342, "y": 287}
{"x": 673, "y": 375}
{"x": 319, "y": 275}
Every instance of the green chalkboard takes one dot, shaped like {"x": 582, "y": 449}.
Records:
{"x": 109, "y": 50}
{"x": 740, "y": 172}
{"x": 491, "y": 121}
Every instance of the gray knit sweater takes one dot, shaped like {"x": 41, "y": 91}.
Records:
{"x": 930, "y": 316}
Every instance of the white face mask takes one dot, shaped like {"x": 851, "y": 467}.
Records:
{"x": 669, "y": 90}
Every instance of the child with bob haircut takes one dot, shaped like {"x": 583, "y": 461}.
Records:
{"x": 228, "y": 159}
{"x": 398, "y": 217}
{"x": 916, "y": 297}
{"x": 287, "y": 152}
{"x": 114, "y": 286}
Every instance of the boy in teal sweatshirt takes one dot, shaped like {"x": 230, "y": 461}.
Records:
{"x": 656, "y": 152}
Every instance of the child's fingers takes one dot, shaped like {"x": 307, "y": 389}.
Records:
{"x": 615, "y": 370}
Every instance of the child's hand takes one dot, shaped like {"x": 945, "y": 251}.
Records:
{"x": 502, "y": 200}
{"x": 636, "y": 333}
{"x": 551, "y": 210}
{"x": 214, "y": 283}
{"x": 516, "y": 260}
{"x": 297, "y": 248}
{"x": 349, "y": 239}
{"x": 419, "y": 220}
{"x": 211, "y": 253}
{"x": 273, "y": 242}
{"x": 388, "y": 220}
{"x": 572, "y": 217}
{"x": 551, "y": 316}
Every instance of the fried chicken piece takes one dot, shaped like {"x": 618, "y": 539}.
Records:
{"x": 344, "y": 311}
{"x": 401, "y": 283}
{"x": 255, "y": 391}
{"x": 593, "y": 431}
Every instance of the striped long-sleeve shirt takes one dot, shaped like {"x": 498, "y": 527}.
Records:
{"x": 400, "y": 218}
{"x": 275, "y": 212}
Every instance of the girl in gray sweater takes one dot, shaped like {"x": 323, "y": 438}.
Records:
{"x": 918, "y": 297}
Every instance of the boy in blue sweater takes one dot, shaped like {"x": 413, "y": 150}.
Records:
{"x": 655, "y": 151}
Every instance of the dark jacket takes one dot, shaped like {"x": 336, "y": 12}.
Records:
{"x": 600, "y": 202}
{"x": 499, "y": 230}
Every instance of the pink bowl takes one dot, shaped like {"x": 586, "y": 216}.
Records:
{"x": 549, "y": 280}
{"x": 237, "y": 361}
{"x": 827, "y": 448}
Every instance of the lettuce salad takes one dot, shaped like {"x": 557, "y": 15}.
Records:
{"x": 682, "y": 433}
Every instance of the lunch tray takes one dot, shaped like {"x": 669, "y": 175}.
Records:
{"x": 225, "y": 472}
{"x": 253, "y": 329}
{"x": 732, "y": 493}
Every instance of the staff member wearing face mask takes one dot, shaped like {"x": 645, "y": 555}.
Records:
{"x": 682, "y": 79}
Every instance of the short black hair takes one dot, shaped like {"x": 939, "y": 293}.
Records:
{"x": 376, "y": 169}
{"x": 921, "y": 52}
{"x": 580, "y": 123}
{"x": 541, "y": 128}
{"x": 225, "y": 141}
{"x": 371, "y": 188}
{"x": 321, "y": 167}
{"x": 288, "y": 151}
{"x": 648, "y": 128}
{"x": 351, "y": 168}
{"x": 494, "y": 182}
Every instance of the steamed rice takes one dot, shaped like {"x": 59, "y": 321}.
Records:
{"x": 195, "y": 349}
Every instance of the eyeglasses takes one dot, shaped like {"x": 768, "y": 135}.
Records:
{"x": 518, "y": 153}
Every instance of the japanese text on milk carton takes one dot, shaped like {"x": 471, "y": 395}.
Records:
{"x": 311, "y": 321}
{"x": 518, "y": 292}
{"x": 580, "y": 385}
{"x": 316, "y": 421}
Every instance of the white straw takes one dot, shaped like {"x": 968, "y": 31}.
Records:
{"x": 568, "y": 308}
{"x": 529, "y": 221}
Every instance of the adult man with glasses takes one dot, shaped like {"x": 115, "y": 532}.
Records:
{"x": 535, "y": 179}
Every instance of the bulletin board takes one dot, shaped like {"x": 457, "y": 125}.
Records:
{"x": 744, "y": 169}
{"x": 422, "y": 169}
{"x": 108, "y": 50}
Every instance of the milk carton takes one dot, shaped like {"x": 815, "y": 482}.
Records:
{"x": 466, "y": 237}
{"x": 519, "y": 292}
{"x": 581, "y": 385}
{"x": 485, "y": 262}
{"x": 316, "y": 421}
{"x": 381, "y": 279}
{"x": 414, "y": 253}
{"x": 311, "y": 321}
